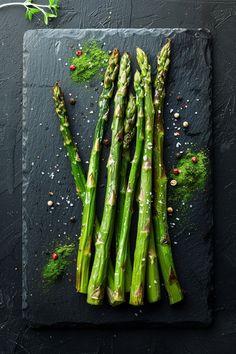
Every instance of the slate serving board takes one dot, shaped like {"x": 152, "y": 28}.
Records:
{"x": 46, "y": 168}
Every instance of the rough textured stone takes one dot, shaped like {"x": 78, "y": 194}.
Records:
{"x": 45, "y": 54}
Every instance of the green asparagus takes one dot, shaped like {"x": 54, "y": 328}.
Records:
{"x": 122, "y": 251}
{"x": 84, "y": 252}
{"x": 76, "y": 165}
{"x": 99, "y": 270}
{"x": 153, "y": 279}
{"x": 160, "y": 183}
{"x": 129, "y": 134}
{"x": 145, "y": 196}
{"x": 75, "y": 161}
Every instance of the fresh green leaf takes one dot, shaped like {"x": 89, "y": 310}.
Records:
{"x": 28, "y": 15}
{"x": 51, "y": 15}
{"x": 34, "y": 11}
{"x": 45, "y": 18}
{"x": 30, "y": 12}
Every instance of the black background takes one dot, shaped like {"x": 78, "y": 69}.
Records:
{"x": 220, "y": 18}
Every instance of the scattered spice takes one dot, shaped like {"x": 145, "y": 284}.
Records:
{"x": 173, "y": 182}
{"x": 106, "y": 142}
{"x": 176, "y": 171}
{"x": 192, "y": 177}
{"x": 72, "y": 67}
{"x": 176, "y": 115}
{"x": 50, "y": 193}
{"x": 89, "y": 63}
{"x": 185, "y": 124}
{"x": 78, "y": 53}
{"x": 72, "y": 101}
{"x": 73, "y": 219}
{"x": 54, "y": 256}
{"x": 170, "y": 210}
{"x": 50, "y": 203}
{"x": 56, "y": 267}
{"x": 194, "y": 159}
{"x": 179, "y": 98}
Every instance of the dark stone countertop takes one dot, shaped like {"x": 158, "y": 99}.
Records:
{"x": 220, "y": 18}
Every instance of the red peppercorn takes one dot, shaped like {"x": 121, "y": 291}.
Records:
{"x": 194, "y": 159}
{"x": 106, "y": 142}
{"x": 72, "y": 67}
{"x": 78, "y": 53}
{"x": 54, "y": 256}
{"x": 176, "y": 171}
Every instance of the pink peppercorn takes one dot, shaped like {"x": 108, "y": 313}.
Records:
{"x": 72, "y": 67}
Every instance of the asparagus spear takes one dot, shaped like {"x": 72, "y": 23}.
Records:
{"x": 122, "y": 250}
{"x": 75, "y": 161}
{"x": 160, "y": 183}
{"x": 145, "y": 197}
{"x": 99, "y": 270}
{"x": 129, "y": 134}
{"x": 153, "y": 279}
{"x": 76, "y": 165}
{"x": 84, "y": 252}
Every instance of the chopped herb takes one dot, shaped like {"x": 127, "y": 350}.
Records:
{"x": 57, "y": 266}
{"x": 90, "y": 63}
{"x": 192, "y": 176}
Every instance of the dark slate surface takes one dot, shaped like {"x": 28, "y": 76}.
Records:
{"x": 46, "y": 169}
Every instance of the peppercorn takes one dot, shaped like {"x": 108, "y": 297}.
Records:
{"x": 170, "y": 210}
{"x": 173, "y": 182}
{"x": 194, "y": 159}
{"x": 185, "y": 124}
{"x": 106, "y": 142}
{"x": 54, "y": 256}
{"x": 176, "y": 171}
{"x": 72, "y": 67}
{"x": 50, "y": 203}
{"x": 73, "y": 219}
{"x": 72, "y": 101}
{"x": 179, "y": 98}
{"x": 78, "y": 53}
{"x": 176, "y": 115}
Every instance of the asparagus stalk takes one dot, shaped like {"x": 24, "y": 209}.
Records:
{"x": 122, "y": 250}
{"x": 84, "y": 252}
{"x": 160, "y": 183}
{"x": 75, "y": 161}
{"x": 153, "y": 279}
{"x": 145, "y": 197}
{"x": 99, "y": 270}
{"x": 76, "y": 165}
{"x": 129, "y": 134}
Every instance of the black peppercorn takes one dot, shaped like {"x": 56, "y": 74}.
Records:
{"x": 179, "y": 98}
{"x": 73, "y": 219}
{"x": 72, "y": 101}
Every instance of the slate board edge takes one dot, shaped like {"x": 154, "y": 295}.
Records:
{"x": 71, "y": 33}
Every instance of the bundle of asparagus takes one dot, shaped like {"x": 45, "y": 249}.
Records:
{"x": 99, "y": 270}
{"x": 152, "y": 241}
{"x": 84, "y": 252}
